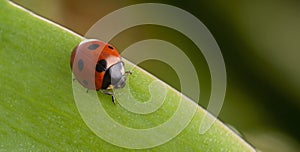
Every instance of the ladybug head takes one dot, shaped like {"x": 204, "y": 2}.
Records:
{"x": 114, "y": 76}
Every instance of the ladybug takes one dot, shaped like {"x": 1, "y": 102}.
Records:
{"x": 98, "y": 66}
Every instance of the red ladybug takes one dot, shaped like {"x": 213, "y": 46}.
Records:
{"x": 98, "y": 66}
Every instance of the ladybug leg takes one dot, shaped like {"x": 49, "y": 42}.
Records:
{"x": 109, "y": 93}
{"x": 113, "y": 99}
{"x": 73, "y": 78}
{"x": 128, "y": 72}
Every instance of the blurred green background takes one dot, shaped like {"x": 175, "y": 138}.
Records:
{"x": 260, "y": 42}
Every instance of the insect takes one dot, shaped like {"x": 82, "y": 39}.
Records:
{"x": 98, "y": 66}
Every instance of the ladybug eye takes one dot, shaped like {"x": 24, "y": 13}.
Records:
{"x": 110, "y": 47}
{"x": 101, "y": 66}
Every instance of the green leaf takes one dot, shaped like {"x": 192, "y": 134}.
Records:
{"x": 37, "y": 107}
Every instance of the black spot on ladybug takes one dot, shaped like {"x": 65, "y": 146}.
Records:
{"x": 101, "y": 66}
{"x": 80, "y": 65}
{"x": 110, "y": 47}
{"x": 93, "y": 47}
{"x": 85, "y": 82}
